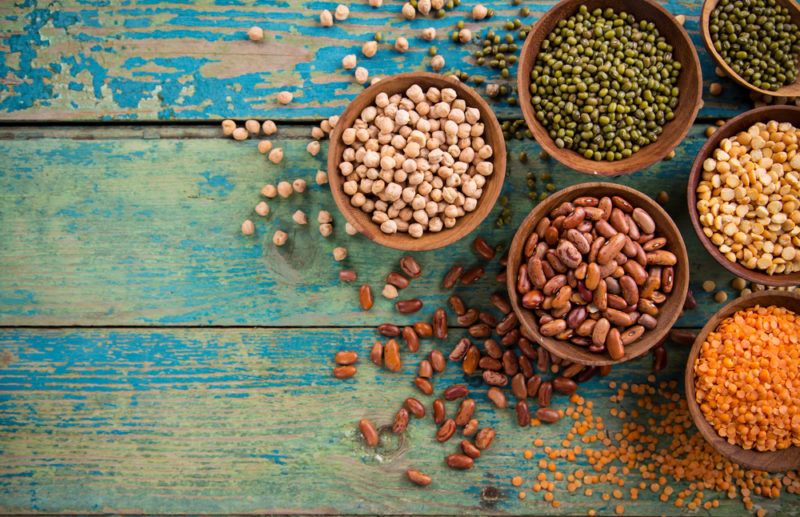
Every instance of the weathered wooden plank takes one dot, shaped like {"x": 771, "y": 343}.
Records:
{"x": 216, "y": 421}
{"x": 76, "y": 60}
{"x": 107, "y": 226}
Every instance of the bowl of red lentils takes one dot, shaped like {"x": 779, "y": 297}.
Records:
{"x": 744, "y": 195}
{"x": 743, "y": 381}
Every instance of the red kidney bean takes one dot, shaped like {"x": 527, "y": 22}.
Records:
{"x": 510, "y": 362}
{"x": 397, "y": 280}
{"x": 457, "y": 304}
{"x": 470, "y": 363}
{"x": 348, "y": 275}
{"x": 376, "y": 354}
{"x": 526, "y": 366}
{"x": 456, "y": 391}
{"x": 400, "y": 421}
{"x": 480, "y": 330}
{"x": 418, "y": 478}
{"x": 437, "y": 361}
{"x": 483, "y": 248}
{"x": 507, "y": 324}
{"x": 484, "y": 438}
{"x": 547, "y": 415}
{"x": 586, "y": 373}
{"x": 465, "y": 411}
{"x": 460, "y": 350}
{"x": 564, "y": 385}
{"x": 389, "y": 330}
{"x": 469, "y": 449}
{"x": 527, "y": 349}
{"x": 369, "y": 432}
{"x": 500, "y": 302}
{"x": 494, "y": 350}
{"x": 523, "y": 415}
{"x": 345, "y": 357}
{"x": 510, "y": 338}
{"x": 459, "y": 461}
{"x": 487, "y": 318}
{"x": 490, "y": 363}
{"x": 440, "y": 324}
{"x": 412, "y": 340}
{"x": 423, "y": 329}
{"x": 446, "y": 431}
{"x": 410, "y": 266}
{"x": 424, "y": 385}
{"x": 493, "y": 378}
{"x": 414, "y": 407}
{"x": 518, "y": 387}
{"x": 471, "y": 428}
{"x": 682, "y": 337}
{"x": 468, "y": 318}
{"x": 365, "y": 297}
{"x": 425, "y": 369}
{"x": 523, "y": 282}
{"x": 438, "y": 411}
{"x": 408, "y": 306}
{"x": 497, "y": 397}
{"x": 614, "y": 344}
{"x": 659, "y": 358}
{"x": 344, "y": 372}
{"x": 472, "y": 275}
{"x": 452, "y": 276}
{"x": 545, "y": 393}
{"x": 391, "y": 356}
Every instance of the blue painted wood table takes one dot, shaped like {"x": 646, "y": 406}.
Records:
{"x": 152, "y": 359}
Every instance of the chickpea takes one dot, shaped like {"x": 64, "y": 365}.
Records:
{"x": 269, "y": 191}
{"x": 269, "y": 127}
{"x": 370, "y": 48}
{"x": 479, "y": 12}
{"x": 408, "y": 11}
{"x": 341, "y": 12}
{"x": 464, "y": 35}
{"x": 349, "y": 61}
{"x": 255, "y": 33}
{"x": 326, "y": 18}
{"x": 437, "y": 63}
{"x": 284, "y": 189}
{"x": 300, "y": 217}
{"x": 264, "y": 146}
{"x": 299, "y": 185}
{"x": 240, "y": 134}
{"x": 390, "y": 292}
{"x": 279, "y": 238}
{"x": 321, "y": 178}
{"x": 228, "y": 126}
{"x": 313, "y": 147}
{"x": 350, "y": 229}
{"x": 401, "y": 44}
{"x": 285, "y": 97}
{"x": 262, "y": 209}
{"x": 326, "y": 229}
{"x": 362, "y": 74}
{"x": 253, "y": 127}
{"x": 248, "y": 228}
{"x": 375, "y": 3}
{"x": 276, "y": 155}
{"x": 428, "y": 34}
{"x": 339, "y": 254}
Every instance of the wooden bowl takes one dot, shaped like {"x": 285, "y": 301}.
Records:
{"x": 791, "y": 90}
{"x": 690, "y": 83}
{"x": 670, "y": 310}
{"x": 732, "y": 127}
{"x": 493, "y": 134}
{"x": 782, "y": 460}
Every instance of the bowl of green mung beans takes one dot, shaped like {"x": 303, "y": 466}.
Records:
{"x": 755, "y": 42}
{"x": 609, "y": 87}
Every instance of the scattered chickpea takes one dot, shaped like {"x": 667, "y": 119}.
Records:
{"x": 284, "y": 189}
{"x": 252, "y": 126}
{"x": 401, "y": 44}
{"x": 349, "y": 229}
{"x": 375, "y": 3}
{"x": 269, "y": 191}
{"x": 299, "y": 217}
{"x": 285, "y": 97}
{"x": 279, "y": 238}
{"x": 437, "y": 63}
{"x": 428, "y": 34}
{"x": 709, "y": 285}
{"x": 299, "y": 185}
{"x": 321, "y": 178}
{"x": 464, "y": 35}
{"x": 390, "y": 292}
{"x": 370, "y": 48}
{"x": 349, "y": 61}
{"x": 240, "y": 134}
{"x": 255, "y": 33}
{"x": 269, "y": 127}
{"x": 362, "y": 74}
{"x": 681, "y": 19}
{"x": 248, "y": 228}
{"x": 339, "y": 253}
{"x": 326, "y": 229}
{"x": 324, "y": 217}
{"x": 715, "y": 89}
{"x": 264, "y": 146}
{"x": 720, "y": 296}
{"x": 313, "y": 147}
{"x": 276, "y": 155}
{"x": 408, "y": 11}
{"x": 262, "y": 209}
{"x": 342, "y": 12}
{"x": 326, "y": 18}
{"x": 479, "y": 12}
{"x": 374, "y": 80}
{"x": 228, "y": 126}
{"x": 317, "y": 133}
{"x": 424, "y": 7}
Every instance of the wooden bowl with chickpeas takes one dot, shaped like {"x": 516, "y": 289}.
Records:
{"x": 392, "y": 178}
{"x": 714, "y": 172}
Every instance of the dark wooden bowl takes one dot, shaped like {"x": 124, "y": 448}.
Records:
{"x": 732, "y": 127}
{"x": 493, "y": 134}
{"x": 690, "y": 83}
{"x": 790, "y": 90}
{"x": 670, "y": 310}
{"x": 775, "y": 461}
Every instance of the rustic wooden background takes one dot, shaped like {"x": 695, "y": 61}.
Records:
{"x": 154, "y": 360}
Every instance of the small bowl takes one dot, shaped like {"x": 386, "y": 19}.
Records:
{"x": 732, "y": 127}
{"x": 790, "y": 90}
{"x": 774, "y": 461}
{"x": 670, "y": 310}
{"x": 690, "y": 83}
{"x": 493, "y": 134}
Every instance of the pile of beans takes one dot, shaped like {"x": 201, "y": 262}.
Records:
{"x": 747, "y": 379}
{"x": 604, "y": 85}
{"x": 595, "y": 272}
{"x": 758, "y": 40}
{"x": 416, "y": 162}
{"x": 749, "y": 195}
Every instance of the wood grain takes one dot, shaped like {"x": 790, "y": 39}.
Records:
{"x": 251, "y": 421}
{"x": 75, "y": 60}
{"x": 140, "y": 226}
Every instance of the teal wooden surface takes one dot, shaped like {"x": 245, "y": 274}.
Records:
{"x": 141, "y": 226}
{"x": 153, "y": 60}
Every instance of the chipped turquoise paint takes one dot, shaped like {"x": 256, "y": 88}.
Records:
{"x": 171, "y": 82}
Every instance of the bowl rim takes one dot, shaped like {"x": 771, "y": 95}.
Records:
{"x": 635, "y": 162}
{"x": 731, "y": 127}
{"x": 566, "y": 350}
{"x": 748, "y": 458}
{"x": 430, "y": 240}
{"x": 789, "y": 90}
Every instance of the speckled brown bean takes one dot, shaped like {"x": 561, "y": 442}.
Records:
{"x": 418, "y": 478}
{"x": 667, "y": 279}
{"x": 412, "y": 340}
{"x": 471, "y": 428}
{"x": 530, "y": 244}
{"x": 391, "y": 356}
{"x": 564, "y": 385}
{"x": 545, "y": 394}
{"x": 518, "y": 387}
{"x": 543, "y": 360}
{"x": 507, "y": 324}
{"x": 480, "y": 330}
{"x": 460, "y": 350}
{"x": 437, "y": 361}
{"x": 344, "y": 372}
{"x": 632, "y": 334}
{"x": 630, "y": 291}
{"x": 440, "y": 324}
{"x": 484, "y": 438}
{"x": 470, "y": 363}
{"x": 410, "y": 266}
{"x": 439, "y": 412}
{"x": 456, "y": 391}
{"x": 425, "y": 369}
{"x": 523, "y": 414}
{"x": 488, "y": 318}
{"x": 547, "y": 415}
{"x": 457, "y": 304}
{"x": 446, "y": 431}
{"x": 452, "y": 276}
{"x": 408, "y": 306}
{"x": 414, "y": 407}
{"x": 497, "y": 397}
{"x": 483, "y": 248}
{"x": 465, "y": 411}
{"x": 459, "y": 461}
{"x": 397, "y": 280}
{"x": 423, "y": 329}
{"x": 368, "y": 431}
{"x": 500, "y": 302}
{"x": 523, "y": 282}
{"x": 468, "y": 318}
{"x": 490, "y": 363}
{"x": 493, "y": 349}
{"x": 493, "y": 378}
{"x": 614, "y": 344}
{"x": 659, "y": 358}
{"x": 400, "y": 421}
{"x": 526, "y": 366}
{"x": 424, "y": 385}
{"x": 553, "y": 328}
{"x": 472, "y": 275}
{"x": 469, "y": 449}
{"x": 389, "y": 330}
{"x": 376, "y": 354}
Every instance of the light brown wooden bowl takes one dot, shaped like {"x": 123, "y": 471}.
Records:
{"x": 786, "y": 459}
{"x": 732, "y": 127}
{"x": 791, "y": 90}
{"x": 669, "y": 311}
{"x": 690, "y": 83}
{"x": 493, "y": 134}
